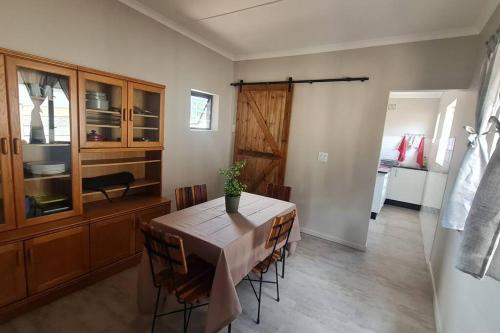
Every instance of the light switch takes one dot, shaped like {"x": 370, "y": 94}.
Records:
{"x": 323, "y": 157}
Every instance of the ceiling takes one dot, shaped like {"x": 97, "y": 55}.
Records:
{"x": 251, "y": 29}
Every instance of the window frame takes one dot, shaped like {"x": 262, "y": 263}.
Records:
{"x": 210, "y": 97}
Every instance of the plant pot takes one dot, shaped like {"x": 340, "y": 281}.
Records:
{"x": 232, "y": 204}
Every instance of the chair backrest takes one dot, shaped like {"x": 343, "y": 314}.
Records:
{"x": 184, "y": 197}
{"x": 280, "y": 192}
{"x": 189, "y": 196}
{"x": 165, "y": 249}
{"x": 200, "y": 193}
{"x": 280, "y": 230}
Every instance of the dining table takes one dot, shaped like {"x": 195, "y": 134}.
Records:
{"x": 232, "y": 242}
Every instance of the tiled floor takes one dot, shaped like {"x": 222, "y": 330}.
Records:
{"x": 328, "y": 288}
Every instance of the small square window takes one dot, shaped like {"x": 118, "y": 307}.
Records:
{"x": 201, "y": 111}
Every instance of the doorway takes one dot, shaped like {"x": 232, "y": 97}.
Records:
{"x": 415, "y": 155}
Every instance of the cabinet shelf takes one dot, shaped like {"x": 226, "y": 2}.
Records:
{"x": 136, "y": 184}
{"x": 102, "y": 126}
{"x": 115, "y": 113}
{"x": 145, "y": 115}
{"x": 46, "y": 144}
{"x": 117, "y": 161}
{"x": 31, "y": 177}
{"x": 146, "y": 128}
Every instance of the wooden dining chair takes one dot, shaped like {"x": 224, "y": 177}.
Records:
{"x": 277, "y": 239}
{"x": 280, "y": 192}
{"x": 199, "y": 193}
{"x": 189, "y": 279}
{"x": 189, "y": 196}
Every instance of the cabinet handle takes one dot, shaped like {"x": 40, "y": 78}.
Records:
{"x": 19, "y": 258}
{"x": 30, "y": 256}
{"x": 5, "y": 146}
{"x": 129, "y": 114}
{"x": 17, "y": 146}
{"x": 124, "y": 114}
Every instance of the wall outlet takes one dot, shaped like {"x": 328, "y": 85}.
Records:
{"x": 323, "y": 157}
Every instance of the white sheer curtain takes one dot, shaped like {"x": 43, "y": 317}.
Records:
{"x": 478, "y": 154}
{"x": 40, "y": 86}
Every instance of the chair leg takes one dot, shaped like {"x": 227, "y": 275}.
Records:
{"x": 260, "y": 298}
{"x": 229, "y": 328}
{"x": 188, "y": 318}
{"x": 156, "y": 309}
{"x": 283, "y": 264}
{"x": 184, "y": 322}
{"x": 277, "y": 282}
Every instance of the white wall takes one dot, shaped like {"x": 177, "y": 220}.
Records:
{"x": 109, "y": 36}
{"x": 347, "y": 120}
{"x": 411, "y": 115}
{"x": 463, "y": 303}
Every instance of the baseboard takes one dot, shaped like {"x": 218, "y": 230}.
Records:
{"x": 333, "y": 239}
{"x": 437, "y": 313}
{"x": 402, "y": 204}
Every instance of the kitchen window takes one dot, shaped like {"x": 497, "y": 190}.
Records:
{"x": 201, "y": 110}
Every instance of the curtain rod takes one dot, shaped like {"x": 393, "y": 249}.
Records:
{"x": 291, "y": 81}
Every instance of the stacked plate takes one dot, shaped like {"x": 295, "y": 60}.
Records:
{"x": 45, "y": 167}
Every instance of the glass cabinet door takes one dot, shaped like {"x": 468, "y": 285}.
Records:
{"x": 7, "y": 212}
{"x": 44, "y": 136}
{"x": 102, "y": 111}
{"x": 145, "y": 127}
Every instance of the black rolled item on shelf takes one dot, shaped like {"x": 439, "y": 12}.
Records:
{"x": 100, "y": 183}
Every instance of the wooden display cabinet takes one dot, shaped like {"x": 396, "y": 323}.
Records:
{"x": 7, "y": 209}
{"x": 56, "y": 258}
{"x": 115, "y": 112}
{"x": 103, "y": 111}
{"x": 12, "y": 273}
{"x": 145, "y": 121}
{"x": 44, "y": 140}
{"x": 54, "y": 236}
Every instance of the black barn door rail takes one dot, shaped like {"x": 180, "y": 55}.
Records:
{"x": 290, "y": 81}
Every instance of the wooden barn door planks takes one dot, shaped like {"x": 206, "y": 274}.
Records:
{"x": 261, "y": 138}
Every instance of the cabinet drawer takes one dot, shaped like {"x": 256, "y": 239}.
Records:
{"x": 147, "y": 215}
{"x": 56, "y": 258}
{"x": 111, "y": 240}
{"x": 12, "y": 273}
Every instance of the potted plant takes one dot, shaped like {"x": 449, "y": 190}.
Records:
{"x": 232, "y": 186}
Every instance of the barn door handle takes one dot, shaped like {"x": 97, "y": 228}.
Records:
{"x": 17, "y": 146}
{"x": 5, "y": 146}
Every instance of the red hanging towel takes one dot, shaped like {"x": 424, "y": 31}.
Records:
{"x": 420, "y": 152}
{"x": 403, "y": 146}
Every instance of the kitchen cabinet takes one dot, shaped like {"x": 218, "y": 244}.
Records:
{"x": 44, "y": 140}
{"x": 380, "y": 193}
{"x": 406, "y": 186}
{"x": 12, "y": 273}
{"x": 111, "y": 239}
{"x": 56, "y": 258}
{"x": 117, "y": 113}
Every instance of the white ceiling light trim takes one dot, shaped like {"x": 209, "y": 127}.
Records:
{"x": 153, "y": 14}
{"x": 471, "y": 31}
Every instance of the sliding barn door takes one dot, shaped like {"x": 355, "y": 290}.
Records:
{"x": 262, "y": 127}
